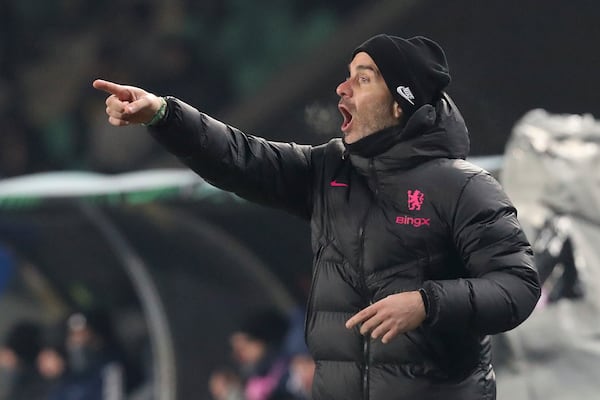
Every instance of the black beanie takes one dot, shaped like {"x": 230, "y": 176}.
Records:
{"x": 415, "y": 69}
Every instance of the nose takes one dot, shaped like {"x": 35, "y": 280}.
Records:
{"x": 344, "y": 89}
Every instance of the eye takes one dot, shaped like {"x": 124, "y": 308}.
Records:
{"x": 363, "y": 79}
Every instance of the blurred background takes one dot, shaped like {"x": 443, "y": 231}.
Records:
{"x": 101, "y": 231}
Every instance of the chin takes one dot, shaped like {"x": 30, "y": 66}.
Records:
{"x": 349, "y": 138}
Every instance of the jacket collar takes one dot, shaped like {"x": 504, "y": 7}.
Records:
{"x": 431, "y": 132}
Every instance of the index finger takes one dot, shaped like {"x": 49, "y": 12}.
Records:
{"x": 112, "y": 88}
{"x": 361, "y": 316}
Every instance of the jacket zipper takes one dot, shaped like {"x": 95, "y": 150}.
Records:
{"x": 366, "y": 351}
{"x": 365, "y": 289}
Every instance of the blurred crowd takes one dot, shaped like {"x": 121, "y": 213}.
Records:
{"x": 210, "y": 54}
{"x": 78, "y": 360}
{"x": 48, "y": 111}
{"x": 269, "y": 360}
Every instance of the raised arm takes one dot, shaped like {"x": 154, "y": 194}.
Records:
{"x": 270, "y": 173}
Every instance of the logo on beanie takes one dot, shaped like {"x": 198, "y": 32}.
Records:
{"x": 405, "y": 92}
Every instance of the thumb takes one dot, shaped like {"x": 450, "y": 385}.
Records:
{"x": 122, "y": 92}
{"x": 143, "y": 109}
{"x": 143, "y": 104}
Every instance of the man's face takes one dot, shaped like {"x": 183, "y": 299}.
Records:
{"x": 365, "y": 101}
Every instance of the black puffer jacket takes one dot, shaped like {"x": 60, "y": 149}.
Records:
{"x": 415, "y": 216}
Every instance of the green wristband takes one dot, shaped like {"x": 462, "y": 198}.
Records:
{"x": 160, "y": 113}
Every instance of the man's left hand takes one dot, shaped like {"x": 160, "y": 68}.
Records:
{"x": 395, "y": 314}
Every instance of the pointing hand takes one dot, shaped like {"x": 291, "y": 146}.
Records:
{"x": 128, "y": 104}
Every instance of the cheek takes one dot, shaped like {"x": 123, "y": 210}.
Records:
{"x": 378, "y": 114}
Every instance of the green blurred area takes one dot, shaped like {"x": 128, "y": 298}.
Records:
{"x": 269, "y": 68}
{"x": 210, "y": 53}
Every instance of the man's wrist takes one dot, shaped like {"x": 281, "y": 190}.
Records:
{"x": 159, "y": 114}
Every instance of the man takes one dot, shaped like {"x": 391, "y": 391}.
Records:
{"x": 19, "y": 378}
{"x": 257, "y": 347}
{"x": 418, "y": 255}
{"x": 95, "y": 370}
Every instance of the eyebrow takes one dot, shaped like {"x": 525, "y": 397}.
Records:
{"x": 362, "y": 67}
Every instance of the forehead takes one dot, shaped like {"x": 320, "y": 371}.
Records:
{"x": 363, "y": 61}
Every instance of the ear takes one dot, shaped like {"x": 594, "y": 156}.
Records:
{"x": 397, "y": 110}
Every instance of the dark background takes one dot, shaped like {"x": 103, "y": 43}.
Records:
{"x": 269, "y": 68}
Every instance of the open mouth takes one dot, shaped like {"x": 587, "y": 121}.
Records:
{"x": 347, "y": 117}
